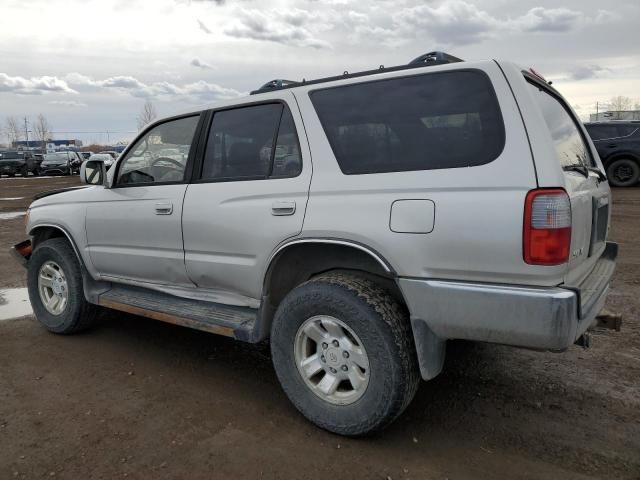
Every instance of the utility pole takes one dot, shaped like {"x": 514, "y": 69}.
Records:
{"x": 26, "y": 131}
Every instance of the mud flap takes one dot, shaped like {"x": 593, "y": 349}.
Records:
{"x": 430, "y": 349}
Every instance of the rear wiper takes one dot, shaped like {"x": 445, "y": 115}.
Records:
{"x": 597, "y": 171}
{"x": 577, "y": 168}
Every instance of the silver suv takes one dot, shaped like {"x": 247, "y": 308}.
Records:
{"x": 357, "y": 222}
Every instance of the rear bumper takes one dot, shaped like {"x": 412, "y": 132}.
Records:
{"x": 539, "y": 318}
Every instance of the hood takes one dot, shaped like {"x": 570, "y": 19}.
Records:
{"x": 58, "y": 191}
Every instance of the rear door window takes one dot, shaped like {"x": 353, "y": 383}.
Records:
{"x": 421, "y": 122}
{"x": 252, "y": 143}
{"x": 570, "y": 146}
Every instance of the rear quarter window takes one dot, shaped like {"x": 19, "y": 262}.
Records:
{"x": 423, "y": 122}
{"x": 570, "y": 146}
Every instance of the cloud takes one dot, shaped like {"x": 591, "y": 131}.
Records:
{"x": 203, "y": 27}
{"x": 67, "y": 103}
{"x": 197, "y": 63}
{"x": 285, "y": 27}
{"x": 454, "y": 22}
{"x": 200, "y": 90}
{"x": 585, "y": 72}
{"x": 33, "y": 85}
{"x": 457, "y": 22}
{"x": 540, "y": 19}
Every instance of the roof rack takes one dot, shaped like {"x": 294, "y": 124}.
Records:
{"x": 425, "y": 60}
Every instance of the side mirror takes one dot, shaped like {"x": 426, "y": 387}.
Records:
{"x": 93, "y": 172}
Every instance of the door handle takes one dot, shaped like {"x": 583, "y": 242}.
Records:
{"x": 164, "y": 208}
{"x": 283, "y": 208}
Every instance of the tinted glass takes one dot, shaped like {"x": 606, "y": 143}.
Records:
{"x": 423, "y": 122}
{"x": 161, "y": 154}
{"x": 570, "y": 147}
{"x": 56, "y": 157}
{"x": 287, "y": 161}
{"x": 241, "y": 144}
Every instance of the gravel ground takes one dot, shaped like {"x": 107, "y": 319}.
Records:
{"x": 141, "y": 399}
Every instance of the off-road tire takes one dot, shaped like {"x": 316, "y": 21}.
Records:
{"x": 79, "y": 314}
{"x": 623, "y": 163}
{"x": 383, "y": 326}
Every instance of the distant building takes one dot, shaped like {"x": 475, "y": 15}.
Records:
{"x": 612, "y": 115}
{"x": 50, "y": 145}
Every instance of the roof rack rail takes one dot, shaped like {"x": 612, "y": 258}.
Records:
{"x": 275, "y": 84}
{"x": 425, "y": 60}
{"x": 434, "y": 58}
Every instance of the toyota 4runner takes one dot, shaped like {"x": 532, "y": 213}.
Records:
{"x": 358, "y": 222}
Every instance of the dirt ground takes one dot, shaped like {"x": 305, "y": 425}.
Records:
{"x": 141, "y": 399}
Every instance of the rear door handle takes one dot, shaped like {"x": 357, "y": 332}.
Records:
{"x": 283, "y": 208}
{"x": 164, "y": 208}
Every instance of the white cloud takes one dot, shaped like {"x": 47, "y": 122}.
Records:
{"x": 585, "y": 72}
{"x": 67, "y": 103}
{"x": 200, "y": 90}
{"x": 454, "y": 22}
{"x": 457, "y": 22}
{"x": 197, "y": 63}
{"x": 203, "y": 27}
{"x": 285, "y": 27}
{"x": 540, "y": 19}
{"x": 34, "y": 85}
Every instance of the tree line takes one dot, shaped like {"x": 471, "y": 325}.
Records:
{"x": 37, "y": 130}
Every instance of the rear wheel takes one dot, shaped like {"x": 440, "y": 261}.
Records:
{"x": 344, "y": 354}
{"x": 623, "y": 172}
{"x": 54, "y": 281}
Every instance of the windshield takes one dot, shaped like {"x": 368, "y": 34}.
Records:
{"x": 101, "y": 156}
{"x": 56, "y": 157}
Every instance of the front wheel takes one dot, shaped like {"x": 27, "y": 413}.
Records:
{"x": 623, "y": 172}
{"x": 54, "y": 281}
{"x": 343, "y": 352}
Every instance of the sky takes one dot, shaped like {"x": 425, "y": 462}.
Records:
{"x": 89, "y": 65}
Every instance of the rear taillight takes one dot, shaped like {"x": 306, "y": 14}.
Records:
{"x": 547, "y": 227}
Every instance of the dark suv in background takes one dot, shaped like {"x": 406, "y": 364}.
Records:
{"x": 12, "y": 163}
{"x": 618, "y": 144}
{"x": 61, "y": 163}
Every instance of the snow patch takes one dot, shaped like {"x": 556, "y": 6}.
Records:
{"x": 14, "y": 303}
{"x": 10, "y": 215}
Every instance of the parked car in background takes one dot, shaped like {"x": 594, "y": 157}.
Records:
{"x": 105, "y": 157}
{"x": 13, "y": 163}
{"x": 113, "y": 153}
{"x": 61, "y": 163}
{"x": 86, "y": 155}
{"x": 618, "y": 144}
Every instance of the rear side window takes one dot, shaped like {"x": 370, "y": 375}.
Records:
{"x": 422, "y": 122}
{"x": 570, "y": 146}
{"x": 253, "y": 142}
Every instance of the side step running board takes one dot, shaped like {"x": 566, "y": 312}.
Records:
{"x": 230, "y": 321}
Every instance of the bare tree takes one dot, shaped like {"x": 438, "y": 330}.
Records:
{"x": 42, "y": 130}
{"x": 620, "y": 103}
{"x": 147, "y": 115}
{"x": 12, "y": 130}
